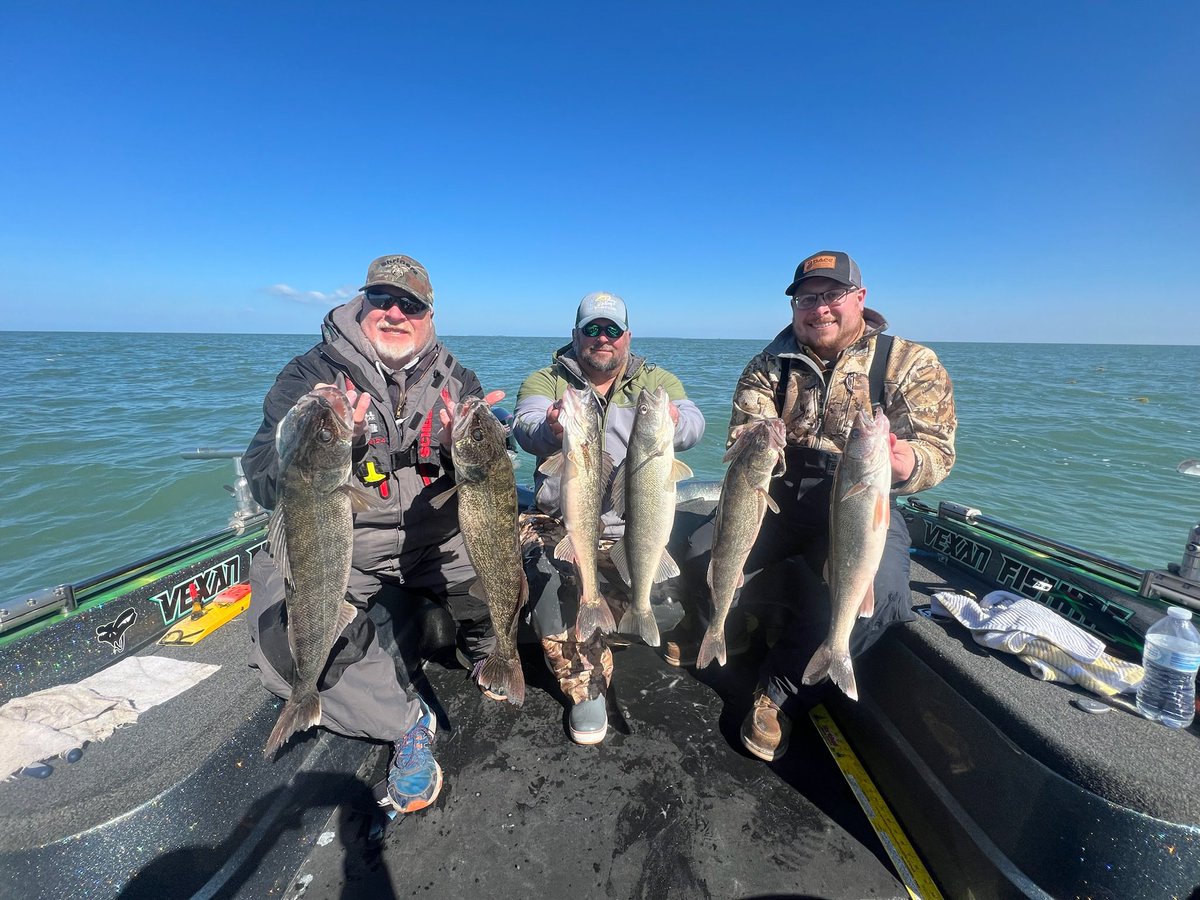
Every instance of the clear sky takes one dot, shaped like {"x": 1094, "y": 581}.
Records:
{"x": 1002, "y": 171}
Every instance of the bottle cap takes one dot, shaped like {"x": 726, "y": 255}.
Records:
{"x": 1178, "y": 612}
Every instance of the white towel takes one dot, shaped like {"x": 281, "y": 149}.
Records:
{"x": 1053, "y": 648}
{"x": 1009, "y": 621}
{"x": 53, "y": 721}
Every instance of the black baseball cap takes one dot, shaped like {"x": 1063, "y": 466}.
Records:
{"x": 827, "y": 264}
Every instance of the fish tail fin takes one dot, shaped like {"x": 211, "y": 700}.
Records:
{"x": 301, "y": 712}
{"x": 498, "y": 673}
{"x": 837, "y": 666}
{"x": 594, "y": 615}
{"x": 712, "y": 647}
{"x": 641, "y": 622}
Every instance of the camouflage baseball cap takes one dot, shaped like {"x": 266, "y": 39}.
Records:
{"x": 402, "y": 272}
{"x": 827, "y": 264}
{"x": 602, "y": 305}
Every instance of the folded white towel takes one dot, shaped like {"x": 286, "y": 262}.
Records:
{"x": 1014, "y": 620}
{"x": 51, "y": 722}
{"x": 1053, "y": 648}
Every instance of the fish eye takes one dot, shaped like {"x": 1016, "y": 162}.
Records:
{"x": 477, "y": 434}
{"x": 324, "y": 435}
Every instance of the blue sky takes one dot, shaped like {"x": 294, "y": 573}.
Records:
{"x": 1010, "y": 172}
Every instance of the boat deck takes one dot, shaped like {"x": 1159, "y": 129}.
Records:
{"x": 182, "y": 803}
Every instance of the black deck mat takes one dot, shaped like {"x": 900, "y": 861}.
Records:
{"x": 1119, "y": 756}
{"x": 669, "y": 805}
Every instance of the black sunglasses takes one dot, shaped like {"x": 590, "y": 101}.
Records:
{"x": 593, "y": 329}
{"x": 410, "y": 306}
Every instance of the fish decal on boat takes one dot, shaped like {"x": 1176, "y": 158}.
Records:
{"x": 643, "y": 494}
{"x": 859, "y": 515}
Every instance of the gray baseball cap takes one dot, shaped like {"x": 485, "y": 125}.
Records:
{"x": 403, "y": 273}
{"x": 602, "y": 305}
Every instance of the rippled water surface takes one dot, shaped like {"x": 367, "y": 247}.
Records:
{"x": 1079, "y": 442}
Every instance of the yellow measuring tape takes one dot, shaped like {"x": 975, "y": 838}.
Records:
{"x": 904, "y": 857}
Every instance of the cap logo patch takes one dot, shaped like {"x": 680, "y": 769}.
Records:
{"x": 820, "y": 262}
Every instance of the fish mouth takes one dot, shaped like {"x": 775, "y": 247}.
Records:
{"x": 465, "y": 414}
{"x": 334, "y": 400}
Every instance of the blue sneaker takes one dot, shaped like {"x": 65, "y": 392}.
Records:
{"x": 414, "y": 777}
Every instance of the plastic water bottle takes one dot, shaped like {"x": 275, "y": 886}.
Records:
{"x": 1171, "y": 658}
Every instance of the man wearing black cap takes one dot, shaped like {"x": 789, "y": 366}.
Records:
{"x": 831, "y": 361}
{"x": 402, "y": 383}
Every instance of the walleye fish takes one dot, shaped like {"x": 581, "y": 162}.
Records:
{"x": 311, "y": 537}
{"x": 584, "y": 469}
{"x": 858, "y": 524}
{"x": 644, "y": 496}
{"x": 487, "y": 516}
{"x": 744, "y": 501}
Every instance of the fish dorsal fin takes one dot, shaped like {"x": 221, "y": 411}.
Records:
{"x": 361, "y": 497}
{"x": 883, "y": 512}
{"x": 346, "y": 613}
{"x": 440, "y": 500}
{"x": 617, "y": 496}
{"x": 565, "y": 550}
{"x": 277, "y": 538}
{"x": 607, "y": 466}
{"x": 766, "y": 498}
{"x": 667, "y": 568}
{"x": 867, "y": 608}
{"x": 680, "y": 470}
{"x": 855, "y": 489}
{"x": 621, "y": 560}
{"x": 552, "y": 465}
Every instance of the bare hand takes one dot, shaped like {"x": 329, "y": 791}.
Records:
{"x": 903, "y": 459}
{"x": 552, "y": 414}
{"x": 446, "y": 415}
{"x": 359, "y": 404}
{"x": 674, "y": 410}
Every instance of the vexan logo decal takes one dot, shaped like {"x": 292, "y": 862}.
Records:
{"x": 177, "y": 601}
{"x": 970, "y": 554}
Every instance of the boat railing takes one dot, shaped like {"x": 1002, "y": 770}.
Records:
{"x": 1179, "y": 582}
{"x": 66, "y": 598}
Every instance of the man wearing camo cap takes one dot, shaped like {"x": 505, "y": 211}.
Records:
{"x": 402, "y": 383}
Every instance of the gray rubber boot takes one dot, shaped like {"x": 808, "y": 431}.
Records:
{"x": 589, "y": 721}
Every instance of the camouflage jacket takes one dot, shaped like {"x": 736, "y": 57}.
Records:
{"x": 820, "y": 400}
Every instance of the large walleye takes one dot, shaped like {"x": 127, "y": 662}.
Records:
{"x": 858, "y": 524}
{"x": 487, "y": 516}
{"x": 744, "y": 501}
{"x": 644, "y": 496}
{"x": 584, "y": 469}
{"x": 311, "y": 537}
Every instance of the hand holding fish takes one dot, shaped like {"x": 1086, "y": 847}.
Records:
{"x": 359, "y": 404}
{"x": 446, "y": 415}
{"x": 902, "y": 458}
{"x": 552, "y": 414}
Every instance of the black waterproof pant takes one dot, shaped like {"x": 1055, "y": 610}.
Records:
{"x": 365, "y": 687}
{"x": 785, "y": 569}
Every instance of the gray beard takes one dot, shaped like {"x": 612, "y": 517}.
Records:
{"x": 400, "y": 361}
